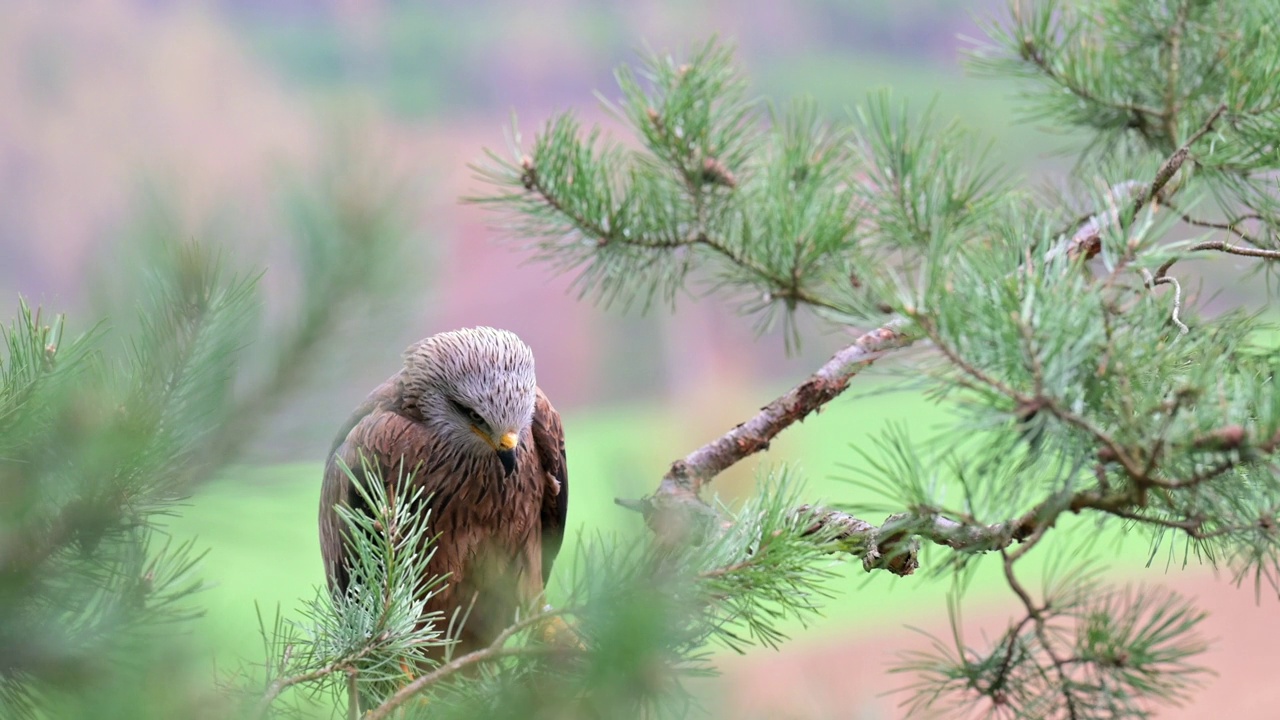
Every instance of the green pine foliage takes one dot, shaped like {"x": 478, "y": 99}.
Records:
{"x": 360, "y": 647}
{"x": 1086, "y": 375}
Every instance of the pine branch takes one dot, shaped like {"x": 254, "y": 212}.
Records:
{"x": 1086, "y": 241}
{"x": 754, "y": 435}
{"x": 1037, "y": 616}
{"x": 698, "y": 237}
{"x": 676, "y": 506}
{"x": 670, "y": 510}
{"x": 378, "y": 624}
{"x": 1142, "y": 114}
{"x": 891, "y": 545}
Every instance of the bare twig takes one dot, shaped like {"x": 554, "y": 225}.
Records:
{"x": 1224, "y": 246}
{"x": 1161, "y": 275}
{"x": 754, "y": 435}
{"x": 1006, "y": 664}
{"x": 1174, "y": 162}
{"x": 1042, "y": 633}
{"x": 1163, "y": 279}
{"x": 281, "y": 684}
{"x": 353, "y": 696}
{"x": 496, "y": 650}
{"x": 1177, "y": 303}
{"x": 968, "y": 368}
{"x": 1231, "y": 225}
{"x": 1086, "y": 241}
{"x": 1173, "y": 67}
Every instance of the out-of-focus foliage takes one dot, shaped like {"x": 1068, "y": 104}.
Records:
{"x": 104, "y": 433}
{"x": 635, "y": 621}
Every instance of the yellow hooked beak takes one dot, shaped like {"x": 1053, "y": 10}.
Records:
{"x": 507, "y": 453}
{"x": 505, "y": 448}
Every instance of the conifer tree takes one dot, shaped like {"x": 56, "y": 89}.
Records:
{"x": 1084, "y": 377}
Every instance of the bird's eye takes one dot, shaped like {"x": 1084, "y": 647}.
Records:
{"x": 474, "y": 417}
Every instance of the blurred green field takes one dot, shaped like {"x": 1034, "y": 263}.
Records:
{"x": 259, "y": 523}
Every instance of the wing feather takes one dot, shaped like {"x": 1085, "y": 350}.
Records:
{"x": 386, "y": 439}
{"x": 548, "y": 438}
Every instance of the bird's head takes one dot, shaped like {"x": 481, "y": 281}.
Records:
{"x": 475, "y": 387}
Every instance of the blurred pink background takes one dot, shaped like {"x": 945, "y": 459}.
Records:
{"x": 104, "y": 104}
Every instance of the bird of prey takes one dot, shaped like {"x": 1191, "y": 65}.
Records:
{"x": 467, "y": 417}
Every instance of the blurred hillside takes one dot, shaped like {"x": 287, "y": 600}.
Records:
{"x": 440, "y": 59}
{"x": 109, "y": 108}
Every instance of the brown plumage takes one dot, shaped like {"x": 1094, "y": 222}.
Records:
{"x": 488, "y": 449}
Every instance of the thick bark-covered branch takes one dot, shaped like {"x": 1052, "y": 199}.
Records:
{"x": 893, "y": 546}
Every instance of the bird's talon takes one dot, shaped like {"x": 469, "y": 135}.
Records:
{"x": 558, "y": 633}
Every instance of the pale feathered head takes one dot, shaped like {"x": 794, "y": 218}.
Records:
{"x": 475, "y": 387}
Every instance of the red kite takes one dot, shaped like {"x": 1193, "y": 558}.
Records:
{"x": 465, "y": 414}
